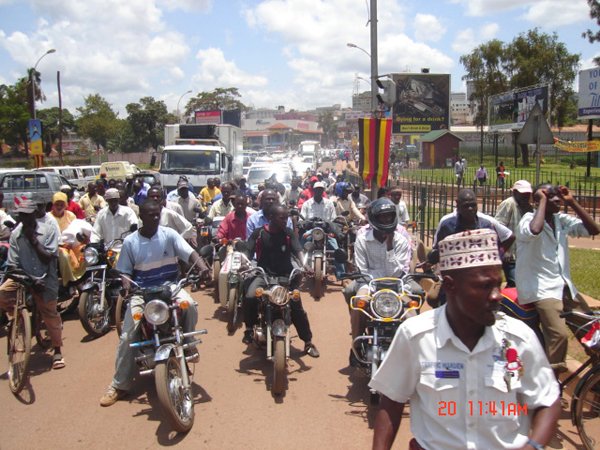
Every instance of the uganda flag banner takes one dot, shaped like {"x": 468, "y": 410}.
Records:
{"x": 374, "y": 136}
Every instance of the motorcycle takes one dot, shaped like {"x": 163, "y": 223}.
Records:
{"x": 163, "y": 351}
{"x": 231, "y": 284}
{"x": 275, "y": 319}
{"x": 348, "y": 235}
{"x": 317, "y": 256}
{"x": 389, "y": 302}
{"x": 209, "y": 246}
{"x": 100, "y": 294}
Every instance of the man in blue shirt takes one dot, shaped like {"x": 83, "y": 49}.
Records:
{"x": 257, "y": 220}
{"x": 149, "y": 258}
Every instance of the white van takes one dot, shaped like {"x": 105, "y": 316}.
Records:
{"x": 119, "y": 170}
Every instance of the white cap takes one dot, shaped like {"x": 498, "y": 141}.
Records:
{"x": 112, "y": 193}
{"x": 471, "y": 248}
{"x": 522, "y": 186}
{"x": 319, "y": 184}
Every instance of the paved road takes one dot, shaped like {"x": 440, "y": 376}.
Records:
{"x": 325, "y": 404}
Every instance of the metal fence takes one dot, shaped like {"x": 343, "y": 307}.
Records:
{"x": 429, "y": 199}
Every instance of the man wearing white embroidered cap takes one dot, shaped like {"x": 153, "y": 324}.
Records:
{"x": 462, "y": 364}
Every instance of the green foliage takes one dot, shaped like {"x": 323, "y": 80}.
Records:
{"x": 594, "y": 36}
{"x": 147, "y": 121}
{"x": 51, "y": 123}
{"x": 14, "y": 112}
{"x": 220, "y": 98}
{"x": 585, "y": 279}
{"x": 97, "y": 121}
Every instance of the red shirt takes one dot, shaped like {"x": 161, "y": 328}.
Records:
{"x": 76, "y": 209}
{"x": 231, "y": 227}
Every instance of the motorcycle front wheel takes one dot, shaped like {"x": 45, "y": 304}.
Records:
{"x": 232, "y": 310}
{"x": 176, "y": 401}
{"x": 19, "y": 351}
{"x": 278, "y": 387}
{"x": 94, "y": 320}
{"x": 318, "y": 279}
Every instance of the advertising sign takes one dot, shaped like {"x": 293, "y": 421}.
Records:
{"x": 511, "y": 109}
{"x": 207, "y": 117}
{"x": 35, "y": 137}
{"x": 588, "y": 105}
{"x": 422, "y": 102}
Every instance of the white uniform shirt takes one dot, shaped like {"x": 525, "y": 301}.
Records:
{"x": 109, "y": 226}
{"x": 220, "y": 209}
{"x": 543, "y": 267}
{"x": 454, "y": 392}
{"x": 372, "y": 256}
{"x": 324, "y": 210}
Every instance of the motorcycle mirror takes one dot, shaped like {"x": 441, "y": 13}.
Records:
{"x": 206, "y": 251}
{"x": 9, "y": 224}
{"x": 340, "y": 255}
{"x": 294, "y": 212}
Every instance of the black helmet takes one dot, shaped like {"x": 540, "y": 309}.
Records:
{"x": 380, "y": 207}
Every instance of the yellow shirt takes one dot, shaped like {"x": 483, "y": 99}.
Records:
{"x": 206, "y": 194}
{"x": 88, "y": 204}
{"x": 65, "y": 220}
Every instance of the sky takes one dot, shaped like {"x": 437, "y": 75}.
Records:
{"x": 276, "y": 52}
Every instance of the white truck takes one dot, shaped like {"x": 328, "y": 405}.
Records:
{"x": 200, "y": 152}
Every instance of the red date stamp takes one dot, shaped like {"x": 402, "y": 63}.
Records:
{"x": 484, "y": 408}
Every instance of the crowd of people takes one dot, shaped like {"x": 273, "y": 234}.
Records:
{"x": 458, "y": 349}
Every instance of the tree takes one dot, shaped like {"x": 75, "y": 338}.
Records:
{"x": 219, "y": 99}
{"x": 51, "y": 125}
{"x": 531, "y": 58}
{"x": 589, "y": 34}
{"x": 483, "y": 68}
{"x": 147, "y": 120}
{"x": 329, "y": 127}
{"x": 97, "y": 121}
{"x": 14, "y": 113}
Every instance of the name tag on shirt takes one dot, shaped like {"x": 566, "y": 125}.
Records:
{"x": 447, "y": 374}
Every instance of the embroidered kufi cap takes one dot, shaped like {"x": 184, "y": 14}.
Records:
{"x": 472, "y": 248}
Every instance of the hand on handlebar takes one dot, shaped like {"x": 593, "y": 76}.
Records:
{"x": 308, "y": 270}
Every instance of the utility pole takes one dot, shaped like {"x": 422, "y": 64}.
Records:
{"x": 374, "y": 88}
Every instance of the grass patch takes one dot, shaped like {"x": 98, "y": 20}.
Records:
{"x": 584, "y": 263}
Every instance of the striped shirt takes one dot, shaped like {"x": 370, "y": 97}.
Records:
{"x": 152, "y": 262}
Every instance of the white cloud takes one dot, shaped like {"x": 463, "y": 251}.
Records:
{"x": 544, "y": 13}
{"x": 216, "y": 71}
{"x": 553, "y": 13}
{"x": 187, "y": 5}
{"x": 428, "y": 28}
{"x": 467, "y": 39}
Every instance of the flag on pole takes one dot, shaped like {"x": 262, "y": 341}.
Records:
{"x": 374, "y": 136}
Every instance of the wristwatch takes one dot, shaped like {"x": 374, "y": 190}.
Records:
{"x": 535, "y": 444}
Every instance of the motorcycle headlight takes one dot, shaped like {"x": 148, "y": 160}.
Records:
{"x": 386, "y": 304}
{"x": 278, "y": 295}
{"x": 91, "y": 256}
{"x": 156, "y": 312}
{"x": 318, "y": 234}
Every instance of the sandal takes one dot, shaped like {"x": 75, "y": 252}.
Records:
{"x": 58, "y": 361}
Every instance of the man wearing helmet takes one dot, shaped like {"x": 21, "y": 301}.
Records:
{"x": 380, "y": 251}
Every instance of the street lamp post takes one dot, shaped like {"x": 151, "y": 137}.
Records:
{"x": 32, "y": 80}
{"x": 373, "y": 74}
{"x": 182, "y": 95}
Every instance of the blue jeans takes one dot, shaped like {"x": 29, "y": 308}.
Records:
{"x": 332, "y": 244}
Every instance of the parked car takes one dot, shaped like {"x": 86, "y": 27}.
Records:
{"x": 39, "y": 186}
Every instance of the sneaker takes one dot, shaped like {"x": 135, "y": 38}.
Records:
{"x": 58, "y": 362}
{"x": 111, "y": 396}
{"x": 311, "y": 350}
{"x": 247, "y": 339}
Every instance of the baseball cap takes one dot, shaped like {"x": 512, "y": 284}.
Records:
{"x": 522, "y": 186}
{"x": 59, "y": 197}
{"x": 111, "y": 194}
{"x": 319, "y": 184}
{"x": 313, "y": 179}
{"x": 182, "y": 184}
{"x": 65, "y": 187}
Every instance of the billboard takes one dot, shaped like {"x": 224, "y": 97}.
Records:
{"x": 510, "y": 110}
{"x": 588, "y": 105}
{"x": 207, "y": 117}
{"x": 422, "y": 102}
